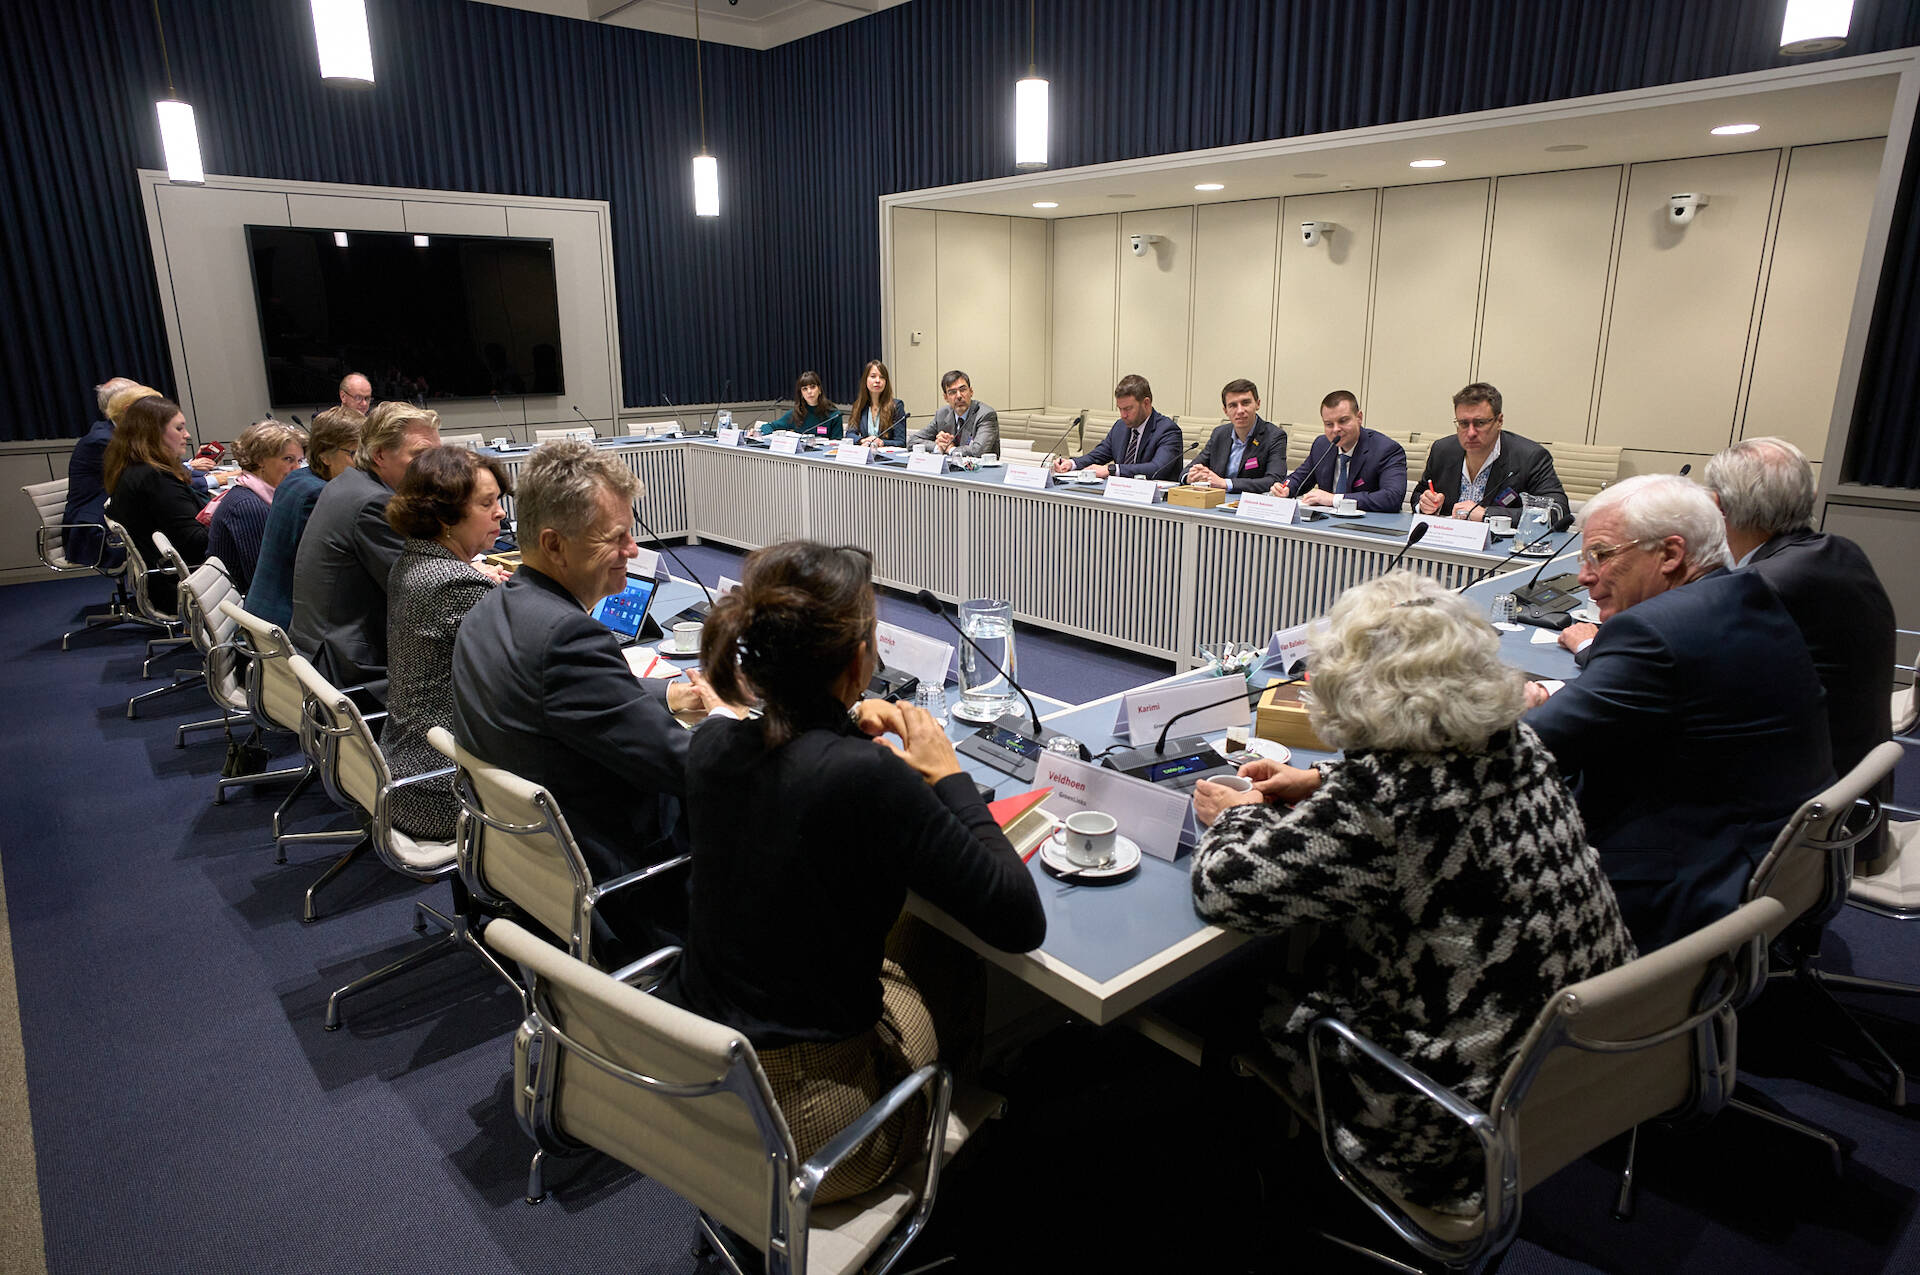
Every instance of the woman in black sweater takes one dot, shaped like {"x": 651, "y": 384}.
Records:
{"x": 808, "y": 829}
{"x": 151, "y": 489}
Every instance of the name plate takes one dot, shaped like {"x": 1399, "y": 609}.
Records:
{"x": 1034, "y": 477}
{"x": 649, "y": 566}
{"x": 1275, "y": 509}
{"x": 927, "y": 463}
{"x": 926, "y": 658}
{"x": 728, "y": 437}
{"x": 851, "y": 454}
{"x": 1453, "y": 533}
{"x": 1153, "y": 816}
{"x": 786, "y": 444}
{"x": 1145, "y": 712}
{"x": 1288, "y": 647}
{"x": 727, "y": 585}
{"x": 1133, "y": 491}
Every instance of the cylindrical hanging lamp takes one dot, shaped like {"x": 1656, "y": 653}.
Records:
{"x": 340, "y": 31}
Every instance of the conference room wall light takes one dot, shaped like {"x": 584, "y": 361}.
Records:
{"x": 1210, "y": 186}
{"x": 339, "y": 238}
{"x": 419, "y": 241}
{"x": 1815, "y": 26}
{"x": 706, "y": 169}
{"x": 340, "y": 31}
{"x": 1030, "y": 110}
{"x": 1734, "y": 130}
{"x": 179, "y": 138}
{"x": 1427, "y": 163}
{"x": 1046, "y": 203}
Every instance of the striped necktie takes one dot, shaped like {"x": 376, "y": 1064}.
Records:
{"x": 1133, "y": 447}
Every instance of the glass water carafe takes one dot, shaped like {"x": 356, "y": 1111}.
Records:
{"x": 984, "y": 692}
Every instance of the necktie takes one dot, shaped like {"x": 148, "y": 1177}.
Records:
{"x": 1340, "y": 476}
{"x": 1133, "y": 446}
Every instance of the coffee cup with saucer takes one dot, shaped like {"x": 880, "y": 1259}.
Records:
{"x": 683, "y": 639}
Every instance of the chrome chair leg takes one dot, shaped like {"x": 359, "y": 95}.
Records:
{"x": 1794, "y": 1126}
{"x": 172, "y": 646}
{"x": 264, "y": 777}
{"x": 449, "y": 942}
{"x": 1862, "y": 983}
{"x": 536, "y": 1178}
{"x": 1821, "y": 983}
{"x": 363, "y": 844}
{"x": 300, "y": 785}
{"x": 183, "y": 684}
{"x": 1375, "y": 1255}
{"x": 180, "y": 732}
{"x": 1623, "y": 1204}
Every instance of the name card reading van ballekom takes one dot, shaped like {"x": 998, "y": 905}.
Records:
{"x": 1153, "y": 816}
{"x": 852, "y": 454}
{"x": 728, "y": 437}
{"x": 1033, "y": 477}
{"x": 925, "y": 658}
{"x": 1274, "y": 509}
{"x": 927, "y": 463}
{"x": 1132, "y": 491}
{"x": 785, "y": 444}
{"x": 1145, "y": 712}
{"x": 1453, "y": 533}
{"x": 1288, "y": 647}
{"x": 648, "y": 566}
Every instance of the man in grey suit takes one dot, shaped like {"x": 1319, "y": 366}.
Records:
{"x": 540, "y": 688}
{"x": 962, "y": 427}
{"x": 347, "y": 552}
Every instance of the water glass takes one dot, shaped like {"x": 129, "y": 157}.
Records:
{"x": 933, "y": 698}
{"x": 1503, "y": 609}
{"x": 984, "y": 692}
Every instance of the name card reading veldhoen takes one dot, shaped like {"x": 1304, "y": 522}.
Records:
{"x": 1132, "y": 491}
{"x": 1288, "y": 647}
{"x": 648, "y": 565}
{"x": 729, "y": 437}
{"x": 851, "y": 453}
{"x": 1153, "y": 816}
{"x": 1453, "y": 533}
{"x": 785, "y": 444}
{"x": 1034, "y": 477}
{"x": 1144, "y": 712}
{"x": 1275, "y": 509}
{"x": 925, "y": 658}
{"x": 927, "y": 463}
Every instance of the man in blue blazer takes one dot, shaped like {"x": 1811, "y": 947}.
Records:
{"x": 1698, "y": 724}
{"x": 1141, "y": 444}
{"x": 1351, "y": 460}
{"x": 1245, "y": 454}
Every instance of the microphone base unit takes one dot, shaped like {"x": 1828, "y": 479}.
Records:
{"x": 1009, "y": 746}
{"x": 1547, "y": 604}
{"x": 892, "y": 685}
{"x": 1185, "y": 763}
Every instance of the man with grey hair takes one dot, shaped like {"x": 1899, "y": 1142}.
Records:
{"x": 541, "y": 688}
{"x": 356, "y": 391}
{"x": 1698, "y": 724}
{"x": 1764, "y": 487}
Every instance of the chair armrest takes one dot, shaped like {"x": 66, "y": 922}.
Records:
{"x": 661, "y": 868}
{"x": 422, "y": 777}
{"x": 371, "y": 718}
{"x": 1405, "y": 1071}
{"x": 811, "y": 1174}
{"x": 653, "y": 963}
{"x": 46, "y": 531}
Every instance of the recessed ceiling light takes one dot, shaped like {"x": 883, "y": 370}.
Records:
{"x": 1734, "y": 130}
{"x": 1309, "y": 174}
{"x": 1046, "y": 203}
{"x": 1428, "y": 163}
{"x": 1564, "y": 147}
{"x": 1210, "y": 186}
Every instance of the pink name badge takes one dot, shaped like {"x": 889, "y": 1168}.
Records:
{"x": 820, "y": 429}
{"x": 1252, "y": 463}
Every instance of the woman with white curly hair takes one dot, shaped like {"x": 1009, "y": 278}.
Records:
{"x": 1444, "y": 860}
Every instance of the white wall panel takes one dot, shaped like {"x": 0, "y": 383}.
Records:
{"x": 1425, "y": 301}
{"x": 430, "y": 217}
{"x": 584, "y": 277}
{"x": 1320, "y": 324}
{"x": 915, "y": 309}
{"x": 1084, "y": 282}
{"x": 1027, "y": 335}
{"x": 1233, "y": 257}
{"x": 346, "y": 212}
{"x": 1546, "y": 292}
{"x": 973, "y": 259}
{"x": 1156, "y": 292}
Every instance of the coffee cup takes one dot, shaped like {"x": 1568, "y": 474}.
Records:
{"x": 1089, "y": 837}
{"x": 502, "y": 441}
{"x": 989, "y": 458}
{"x": 1346, "y": 505}
{"x": 686, "y": 636}
{"x": 923, "y": 448}
{"x": 1500, "y": 524}
{"x": 1239, "y": 783}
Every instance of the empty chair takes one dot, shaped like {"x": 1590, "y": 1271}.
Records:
{"x": 49, "y": 545}
{"x": 580, "y": 432}
{"x": 1584, "y": 468}
{"x": 600, "y": 1064}
{"x": 1905, "y": 710}
{"x": 1894, "y": 891}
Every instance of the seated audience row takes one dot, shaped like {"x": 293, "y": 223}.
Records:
{"x": 330, "y": 449}
{"x": 151, "y": 490}
{"x": 268, "y": 451}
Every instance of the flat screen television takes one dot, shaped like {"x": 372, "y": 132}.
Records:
{"x": 431, "y": 316}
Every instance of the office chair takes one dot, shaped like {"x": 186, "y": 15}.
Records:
{"x": 207, "y": 586}
{"x": 174, "y": 567}
{"x": 601, "y": 1064}
{"x": 172, "y": 638}
{"x": 49, "y": 544}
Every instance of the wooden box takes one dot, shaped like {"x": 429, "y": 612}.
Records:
{"x": 1283, "y": 718}
{"x": 1196, "y": 497}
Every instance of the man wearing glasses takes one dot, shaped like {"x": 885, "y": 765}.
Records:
{"x": 356, "y": 392}
{"x": 963, "y": 426}
{"x": 1698, "y": 724}
{"x": 1483, "y": 467}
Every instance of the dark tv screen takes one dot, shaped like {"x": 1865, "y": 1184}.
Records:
{"x": 462, "y": 316}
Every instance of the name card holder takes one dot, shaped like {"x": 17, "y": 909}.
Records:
{"x": 1144, "y": 712}
{"x": 927, "y": 463}
{"x": 926, "y": 658}
{"x": 1453, "y": 533}
{"x": 729, "y": 437}
{"x": 1032, "y": 477}
{"x": 785, "y": 444}
{"x": 1153, "y": 816}
{"x": 852, "y": 454}
{"x": 1132, "y": 491}
{"x": 1288, "y": 647}
{"x": 1279, "y": 510}
{"x": 648, "y": 564}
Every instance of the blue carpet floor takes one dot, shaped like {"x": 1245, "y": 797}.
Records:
{"x": 190, "y": 1114}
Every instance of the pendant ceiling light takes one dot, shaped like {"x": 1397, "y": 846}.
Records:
{"x": 1030, "y": 111}
{"x": 1815, "y": 26}
{"x": 706, "y": 169}
{"x": 340, "y": 31}
{"x": 179, "y": 139}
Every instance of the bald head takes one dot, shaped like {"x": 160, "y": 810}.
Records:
{"x": 108, "y": 388}
{"x": 356, "y": 391}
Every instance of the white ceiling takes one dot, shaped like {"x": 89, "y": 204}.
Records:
{"x": 751, "y": 24}
{"x": 1610, "y": 132}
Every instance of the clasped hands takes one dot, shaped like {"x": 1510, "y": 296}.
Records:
{"x": 1273, "y": 781}
{"x": 923, "y": 741}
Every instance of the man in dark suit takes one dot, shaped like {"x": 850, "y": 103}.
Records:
{"x": 1141, "y": 444}
{"x": 1245, "y": 454}
{"x": 347, "y": 551}
{"x": 86, "y": 481}
{"x": 1483, "y": 467}
{"x": 1764, "y": 487}
{"x": 1350, "y": 461}
{"x": 541, "y": 689}
{"x": 962, "y": 426}
{"x": 1697, "y": 725}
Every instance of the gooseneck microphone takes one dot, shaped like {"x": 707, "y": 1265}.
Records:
{"x": 295, "y": 419}
{"x": 661, "y": 546}
{"x": 583, "y": 416}
{"x": 1060, "y": 438}
{"x": 1160, "y": 746}
{"x": 926, "y": 599}
{"x": 1415, "y": 534}
{"x": 1686, "y": 469}
{"x": 1306, "y": 483}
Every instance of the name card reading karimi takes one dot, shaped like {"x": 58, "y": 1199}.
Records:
{"x": 785, "y": 444}
{"x": 1146, "y": 711}
{"x": 1453, "y": 533}
{"x": 1274, "y": 509}
{"x": 1153, "y": 816}
{"x": 1132, "y": 491}
{"x": 927, "y": 463}
{"x": 1032, "y": 477}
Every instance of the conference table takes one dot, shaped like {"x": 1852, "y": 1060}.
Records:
{"x": 1159, "y": 579}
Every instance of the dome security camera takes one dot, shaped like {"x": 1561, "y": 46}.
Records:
{"x": 1682, "y": 207}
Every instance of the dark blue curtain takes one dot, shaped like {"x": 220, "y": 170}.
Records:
{"x": 477, "y": 97}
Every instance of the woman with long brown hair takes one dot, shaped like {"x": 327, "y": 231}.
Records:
{"x": 150, "y": 489}
{"x": 877, "y": 416}
{"x": 812, "y": 413}
{"x": 795, "y": 918}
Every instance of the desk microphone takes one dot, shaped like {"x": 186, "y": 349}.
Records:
{"x": 1059, "y": 439}
{"x": 1685, "y": 469}
{"x": 661, "y": 546}
{"x": 1518, "y": 549}
{"x": 590, "y": 425}
{"x": 295, "y": 419}
{"x": 1306, "y": 483}
{"x": 1179, "y": 463}
{"x": 1415, "y": 534}
{"x": 1252, "y": 692}
{"x": 926, "y": 599}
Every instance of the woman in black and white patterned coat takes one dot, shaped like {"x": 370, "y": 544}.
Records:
{"x": 1444, "y": 860}
{"x": 448, "y": 508}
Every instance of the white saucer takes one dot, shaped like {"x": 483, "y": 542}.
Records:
{"x": 1266, "y": 749}
{"x": 1494, "y": 533}
{"x": 1126, "y": 857}
{"x": 668, "y": 651}
{"x": 1358, "y": 513}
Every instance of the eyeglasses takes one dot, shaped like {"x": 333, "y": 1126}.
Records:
{"x": 1597, "y": 556}
{"x": 1460, "y": 424}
